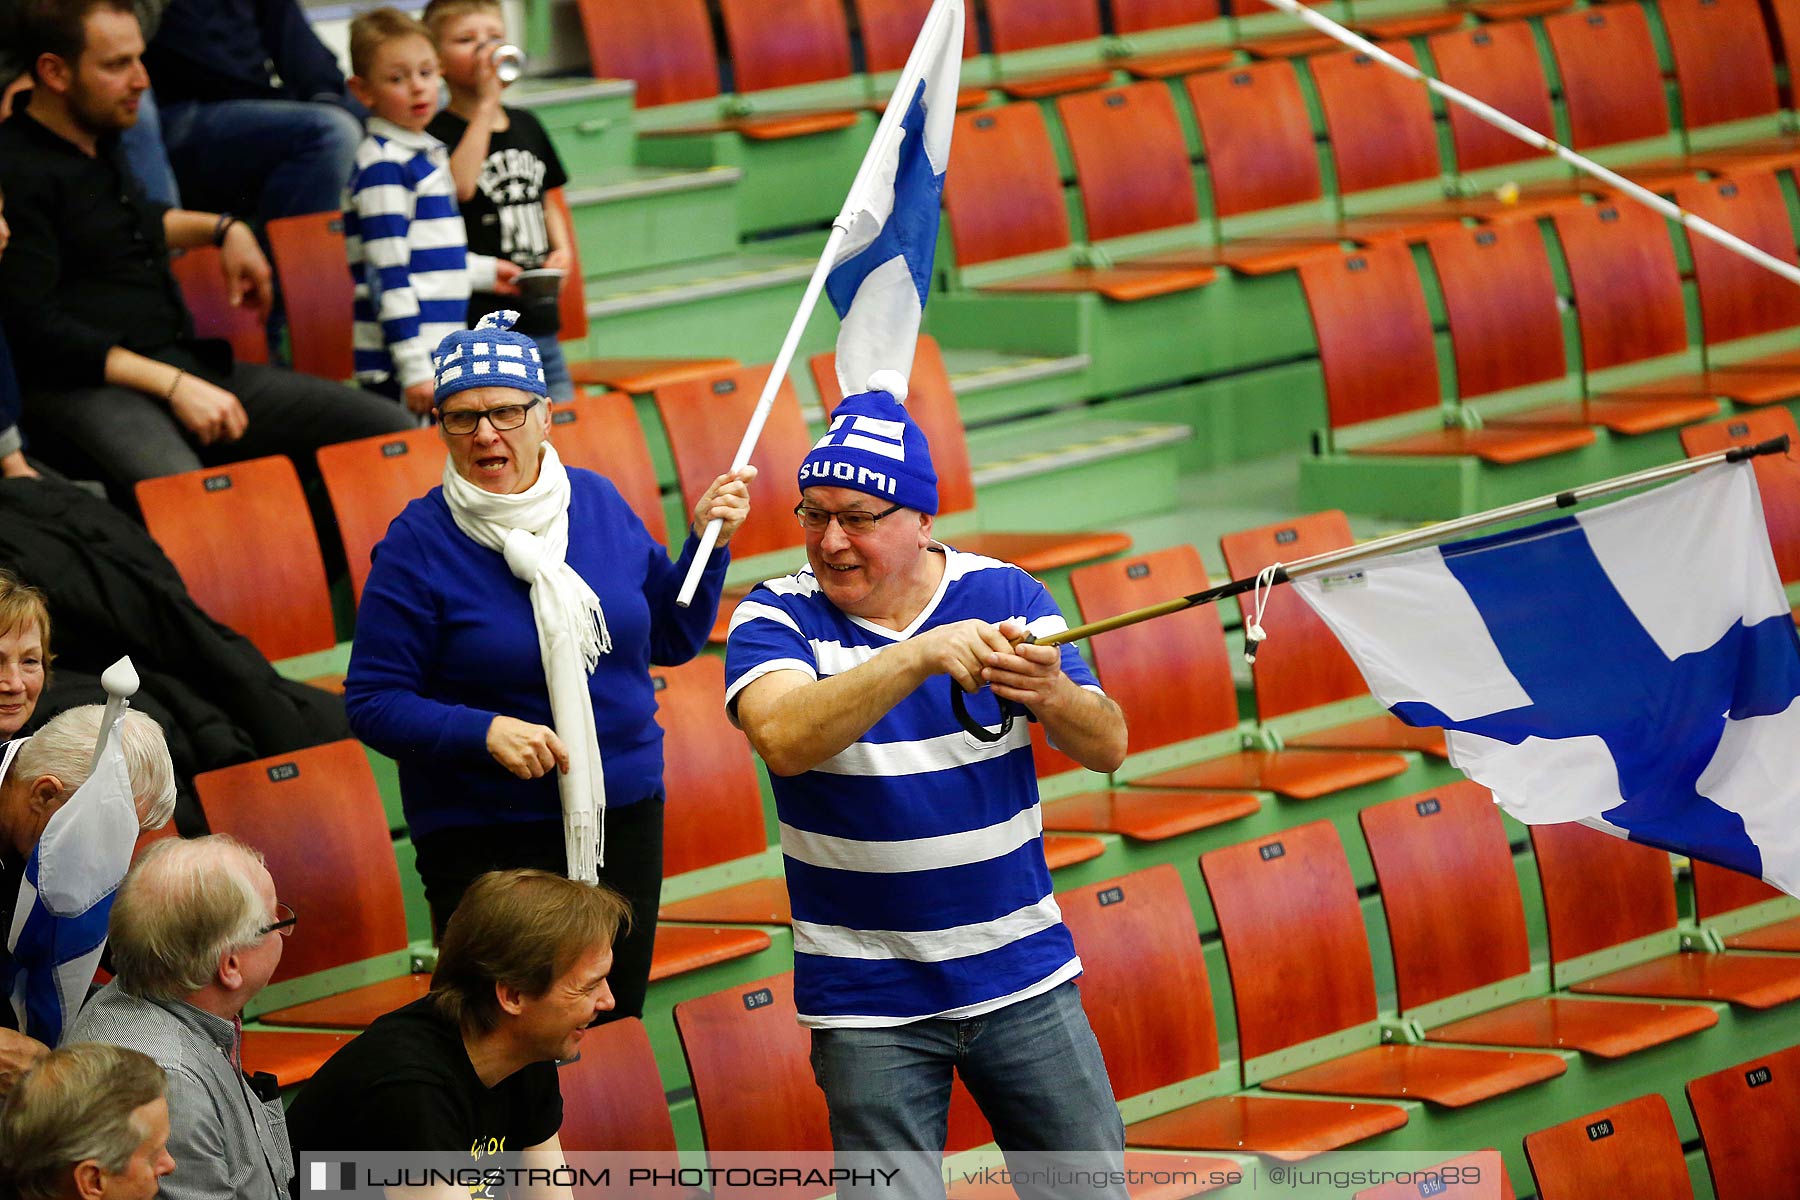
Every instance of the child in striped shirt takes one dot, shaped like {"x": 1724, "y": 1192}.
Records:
{"x": 408, "y": 250}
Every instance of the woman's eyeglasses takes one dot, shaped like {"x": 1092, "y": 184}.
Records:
{"x": 283, "y": 923}
{"x": 854, "y": 522}
{"x": 462, "y": 421}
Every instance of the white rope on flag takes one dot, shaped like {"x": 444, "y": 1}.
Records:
{"x": 1525, "y": 133}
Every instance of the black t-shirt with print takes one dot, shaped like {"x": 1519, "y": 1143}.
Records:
{"x": 406, "y": 1084}
{"x": 505, "y": 216}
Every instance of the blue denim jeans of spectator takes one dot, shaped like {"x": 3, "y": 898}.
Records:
{"x": 556, "y": 368}
{"x": 145, "y": 154}
{"x": 261, "y": 158}
{"x": 1033, "y": 1068}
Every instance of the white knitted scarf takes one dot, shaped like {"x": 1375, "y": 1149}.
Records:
{"x": 531, "y": 529}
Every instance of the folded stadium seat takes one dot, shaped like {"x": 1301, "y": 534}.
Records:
{"x": 270, "y": 587}
{"x": 1379, "y": 359}
{"x": 1462, "y": 958}
{"x": 1384, "y": 142}
{"x": 369, "y": 481}
{"x": 1725, "y": 72}
{"x": 666, "y": 47}
{"x": 1506, "y": 327}
{"x": 932, "y": 403}
{"x": 889, "y": 28}
{"x": 201, "y": 273}
{"x": 752, "y": 1032}
{"x": 1750, "y": 315}
{"x": 1612, "y": 92}
{"x": 1751, "y": 914}
{"x": 1500, "y": 65}
{"x": 1627, "y": 1149}
{"x": 1300, "y": 970}
{"x": 1166, "y": 38}
{"x": 317, "y": 819}
{"x": 1083, "y": 801}
{"x": 638, "y": 376}
{"x": 1263, "y": 165}
{"x": 1045, "y": 48}
{"x": 1307, "y": 688}
{"x": 1145, "y": 989}
{"x": 705, "y": 419}
{"x": 1173, "y": 680}
{"x": 1747, "y": 1115}
{"x": 316, "y": 292}
{"x": 1609, "y": 901}
{"x": 1630, "y": 307}
{"x": 1004, "y": 197}
{"x": 1777, "y": 478}
{"x": 613, "y": 1096}
{"x": 1469, "y": 1177}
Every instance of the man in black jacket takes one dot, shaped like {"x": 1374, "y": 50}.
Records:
{"x": 114, "y": 378}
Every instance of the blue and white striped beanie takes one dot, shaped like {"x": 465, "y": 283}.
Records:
{"x": 489, "y": 355}
{"x": 875, "y": 446}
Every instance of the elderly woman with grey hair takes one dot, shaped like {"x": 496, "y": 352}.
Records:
{"x": 38, "y": 774}
{"x": 86, "y": 1121}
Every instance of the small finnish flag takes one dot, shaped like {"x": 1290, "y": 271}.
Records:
{"x": 331, "y": 1177}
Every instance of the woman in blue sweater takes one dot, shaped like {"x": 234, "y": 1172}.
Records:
{"x": 503, "y": 646}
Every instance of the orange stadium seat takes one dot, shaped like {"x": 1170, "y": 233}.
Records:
{"x": 1725, "y": 71}
{"x": 370, "y": 480}
{"x": 1377, "y": 352}
{"x": 1015, "y": 25}
{"x": 1499, "y": 64}
{"x": 602, "y": 433}
{"x": 1458, "y": 941}
{"x": 1718, "y": 890}
{"x": 1784, "y": 29}
{"x": 1173, "y": 680}
{"x": 890, "y": 27}
{"x": 1004, "y": 198}
{"x": 613, "y": 1100}
{"x": 1300, "y": 970}
{"x": 1777, "y": 476}
{"x": 774, "y": 46}
{"x": 1147, "y": 16}
{"x": 1602, "y": 891}
{"x": 1612, "y": 86}
{"x": 270, "y": 587}
{"x": 1747, "y": 1115}
{"x": 1304, "y": 666}
{"x": 200, "y": 272}
{"x": 1145, "y": 989}
{"x": 1478, "y": 1176}
{"x": 1507, "y": 331}
{"x": 1141, "y": 814}
{"x": 932, "y": 403}
{"x": 316, "y": 291}
{"x": 1629, "y": 1149}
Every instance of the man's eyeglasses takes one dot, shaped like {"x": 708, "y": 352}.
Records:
{"x": 854, "y": 522}
{"x": 462, "y": 421}
{"x": 283, "y": 923}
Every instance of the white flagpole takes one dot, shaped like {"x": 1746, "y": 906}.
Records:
{"x": 1525, "y": 133}
{"x": 886, "y": 132}
{"x": 121, "y": 683}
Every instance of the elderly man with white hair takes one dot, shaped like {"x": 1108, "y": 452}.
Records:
{"x": 88, "y": 1122}
{"x": 196, "y": 932}
{"x": 38, "y": 774}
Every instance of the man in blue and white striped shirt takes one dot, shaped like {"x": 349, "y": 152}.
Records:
{"x": 922, "y": 905}
{"x": 404, "y": 234}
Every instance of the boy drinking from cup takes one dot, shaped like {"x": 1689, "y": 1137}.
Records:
{"x": 503, "y": 163}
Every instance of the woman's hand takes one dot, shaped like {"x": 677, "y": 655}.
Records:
{"x": 727, "y": 500}
{"x": 527, "y": 750}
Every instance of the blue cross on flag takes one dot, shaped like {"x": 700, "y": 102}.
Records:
{"x": 882, "y": 271}
{"x": 1634, "y": 668}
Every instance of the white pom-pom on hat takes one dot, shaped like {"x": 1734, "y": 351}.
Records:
{"x": 890, "y": 381}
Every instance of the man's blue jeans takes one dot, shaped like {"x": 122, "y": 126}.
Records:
{"x": 262, "y": 158}
{"x": 1033, "y": 1067}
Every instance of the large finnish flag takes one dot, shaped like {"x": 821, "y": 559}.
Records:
{"x": 1634, "y": 668}
{"x": 882, "y": 271}
{"x": 59, "y": 924}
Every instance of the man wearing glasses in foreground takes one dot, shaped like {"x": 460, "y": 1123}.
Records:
{"x": 926, "y": 937}
{"x": 195, "y": 933}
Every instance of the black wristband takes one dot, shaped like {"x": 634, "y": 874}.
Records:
{"x": 223, "y": 227}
